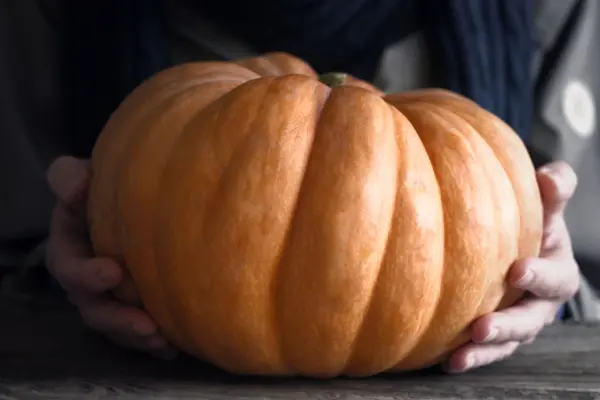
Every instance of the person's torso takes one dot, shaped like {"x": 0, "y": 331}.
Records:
{"x": 31, "y": 122}
{"x": 565, "y": 73}
{"x": 33, "y": 112}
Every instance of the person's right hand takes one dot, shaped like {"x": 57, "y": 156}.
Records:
{"x": 86, "y": 279}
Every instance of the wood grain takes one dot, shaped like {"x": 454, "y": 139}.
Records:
{"x": 45, "y": 353}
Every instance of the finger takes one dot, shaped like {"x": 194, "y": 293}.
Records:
{"x": 68, "y": 258}
{"x": 68, "y": 178}
{"x": 155, "y": 345}
{"x": 477, "y": 355}
{"x": 108, "y": 316}
{"x": 88, "y": 275}
{"x": 69, "y": 231}
{"x": 521, "y": 322}
{"x": 67, "y": 240}
{"x": 556, "y": 241}
{"x": 552, "y": 279}
{"x": 557, "y": 182}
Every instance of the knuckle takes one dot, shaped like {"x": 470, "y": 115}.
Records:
{"x": 565, "y": 174}
{"x": 521, "y": 329}
{"x": 56, "y": 172}
{"x": 558, "y": 291}
{"x": 559, "y": 283}
{"x": 567, "y": 286}
{"x": 65, "y": 278}
{"x": 574, "y": 285}
{"x": 79, "y": 276}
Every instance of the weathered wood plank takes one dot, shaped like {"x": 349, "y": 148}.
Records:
{"x": 40, "y": 348}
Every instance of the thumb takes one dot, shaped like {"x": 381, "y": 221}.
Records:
{"x": 557, "y": 182}
{"x": 68, "y": 178}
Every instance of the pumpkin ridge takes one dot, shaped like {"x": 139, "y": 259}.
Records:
{"x": 139, "y": 185}
{"x": 427, "y": 351}
{"x": 122, "y": 160}
{"x": 494, "y": 196}
{"x": 426, "y": 321}
{"x": 408, "y": 357}
{"x": 107, "y": 239}
{"x": 240, "y": 148}
{"x": 360, "y": 362}
{"x": 514, "y": 158}
{"x": 163, "y": 80}
{"x": 360, "y": 332}
{"x": 275, "y": 282}
{"x": 504, "y": 198}
{"x": 440, "y": 111}
{"x": 528, "y": 239}
{"x": 511, "y": 152}
{"x": 219, "y": 213}
{"x": 268, "y": 81}
{"x": 346, "y": 186}
{"x": 178, "y": 161}
{"x": 122, "y": 192}
{"x": 393, "y": 323}
{"x": 236, "y": 153}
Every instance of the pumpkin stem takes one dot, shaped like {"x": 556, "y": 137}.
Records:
{"x": 333, "y": 79}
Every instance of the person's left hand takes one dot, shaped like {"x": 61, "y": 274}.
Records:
{"x": 549, "y": 281}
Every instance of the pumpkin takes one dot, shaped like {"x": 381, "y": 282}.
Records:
{"x": 275, "y": 223}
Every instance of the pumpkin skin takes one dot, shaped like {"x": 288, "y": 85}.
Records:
{"x": 272, "y": 225}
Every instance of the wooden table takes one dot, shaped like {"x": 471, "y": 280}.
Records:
{"x": 45, "y": 353}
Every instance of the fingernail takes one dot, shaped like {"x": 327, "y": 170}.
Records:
{"x": 525, "y": 279}
{"x": 470, "y": 362}
{"x": 143, "y": 328}
{"x": 556, "y": 175}
{"x": 492, "y": 334}
{"x": 546, "y": 170}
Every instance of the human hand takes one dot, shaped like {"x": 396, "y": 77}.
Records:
{"x": 86, "y": 279}
{"x": 549, "y": 281}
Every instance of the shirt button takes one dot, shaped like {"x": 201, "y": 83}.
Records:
{"x": 579, "y": 109}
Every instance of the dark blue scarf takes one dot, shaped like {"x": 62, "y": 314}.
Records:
{"x": 111, "y": 46}
{"x": 482, "y": 49}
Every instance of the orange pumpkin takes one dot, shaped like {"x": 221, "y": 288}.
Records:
{"x": 274, "y": 225}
